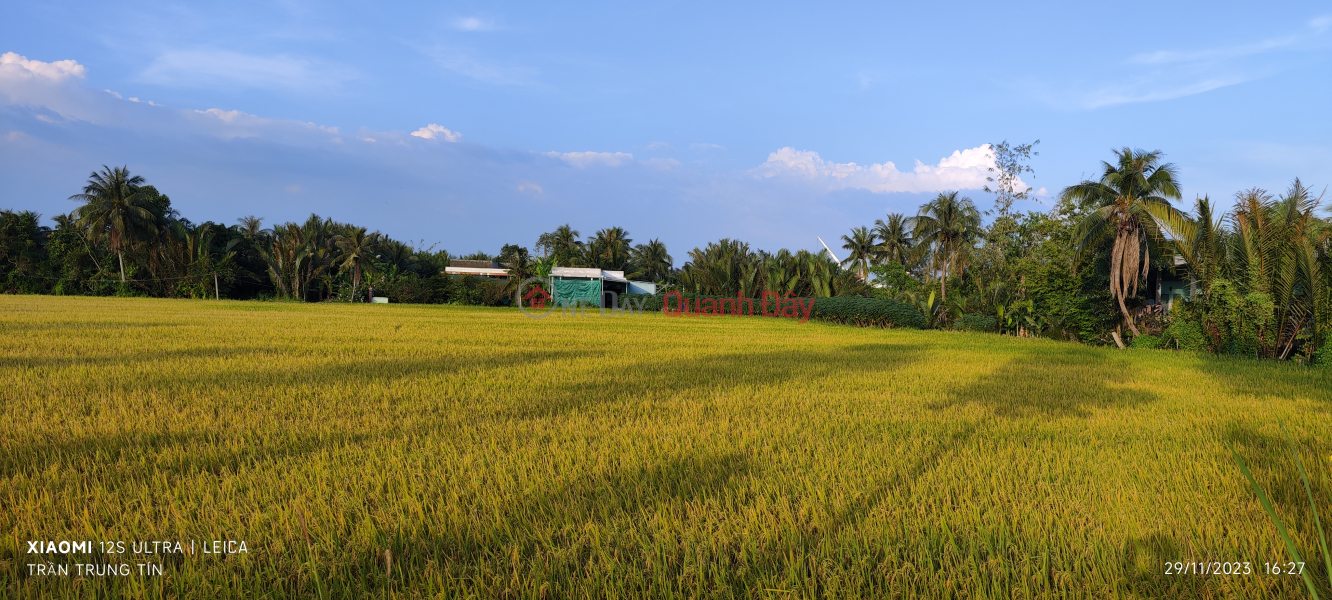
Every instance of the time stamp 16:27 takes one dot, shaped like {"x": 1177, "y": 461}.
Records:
{"x": 1234, "y": 568}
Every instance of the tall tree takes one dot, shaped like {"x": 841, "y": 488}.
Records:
{"x": 1125, "y": 197}
{"x": 894, "y": 238}
{"x": 114, "y": 211}
{"x": 1010, "y": 162}
{"x": 357, "y": 247}
{"x": 654, "y": 263}
{"x": 562, "y": 244}
{"x": 949, "y": 224}
{"x": 251, "y": 226}
{"x": 861, "y": 247}
{"x": 608, "y": 249}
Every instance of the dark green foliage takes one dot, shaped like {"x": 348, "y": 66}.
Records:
{"x": 1148, "y": 341}
{"x": 868, "y": 312}
{"x": 23, "y": 263}
{"x": 1184, "y": 334}
{"x": 1226, "y": 321}
{"x": 976, "y": 322}
{"x": 1323, "y": 357}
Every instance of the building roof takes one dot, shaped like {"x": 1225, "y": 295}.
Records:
{"x": 588, "y": 273}
{"x": 488, "y": 272}
{"x": 474, "y": 264}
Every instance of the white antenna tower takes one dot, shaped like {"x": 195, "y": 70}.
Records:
{"x": 830, "y": 252}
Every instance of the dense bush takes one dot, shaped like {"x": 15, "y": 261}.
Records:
{"x": 976, "y": 322}
{"x": 863, "y": 312}
{"x": 1148, "y": 341}
{"x": 868, "y": 312}
{"x": 1184, "y": 334}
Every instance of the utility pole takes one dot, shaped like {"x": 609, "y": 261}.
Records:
{"x": 217, "y": 294}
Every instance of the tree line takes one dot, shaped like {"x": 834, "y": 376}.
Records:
{"x": 1259, "y": 272}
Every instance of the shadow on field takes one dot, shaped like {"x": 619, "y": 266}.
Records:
{"x": 904, "y": 480}
{"x": 337, "y": 372}
{"x": 1269, "y": 379}
{"x": 1270, "y": 462}
{"x": 133, "y": 457}
{"x": 720, "y": 372}
{"x": 585, "y": 530}
{"x": 149, "y": 356}
{"x": 1063, "y": 382}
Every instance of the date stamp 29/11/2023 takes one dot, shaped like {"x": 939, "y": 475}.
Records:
{"x": 1275, "y": 569}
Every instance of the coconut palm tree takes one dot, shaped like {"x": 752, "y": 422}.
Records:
{"x": 608, "y": 249}
{"x": 114, "y": 211}
{"x": 358, "y": 247}
{"x": 562, "y": 244}
{"x": 251, "y": 226}
{"x": 894, "y": 238}
{"x": 1200, "y": 240}
{"x": 950, "y": 225}
{"x": 1125, "y": 196}
{"x": 862, "y": 250}
{"x": 653, "y": 261}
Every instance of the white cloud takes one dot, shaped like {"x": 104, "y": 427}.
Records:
{"x": 433, "y": 131}
{"x": 473, "y": 24}
{"x": 705, "y": 146}
{"x": 49, "y": 85}
{"x": 587, "y": 159}
{"x": 531, "y": 187}
{"x": 1321, "y": 23}
{"x": 962, "y": 170}
{"x": 658, "y": 146}
{"x": 294, "y": 188}
{"x": 14, "y": 66}
{"x": 226, "y": 69}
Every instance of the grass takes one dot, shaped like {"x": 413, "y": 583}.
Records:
{"x": 485, "y": 455}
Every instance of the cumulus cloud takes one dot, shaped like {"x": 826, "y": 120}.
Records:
{"x": 14, "y": 66}
{"x": 962, "y": 170}
{"x": 433, "y": 131}
{"x": 531, "y": 187}
{"x": 583, "y": 160}
{"x": 49, "y": 85}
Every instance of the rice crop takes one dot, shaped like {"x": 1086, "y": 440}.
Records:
{"x": 455, "y": 452}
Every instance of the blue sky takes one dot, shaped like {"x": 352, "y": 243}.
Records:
{"x": 472, "y": 125}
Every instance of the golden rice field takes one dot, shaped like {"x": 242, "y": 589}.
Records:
{"x": 436, "y": 451}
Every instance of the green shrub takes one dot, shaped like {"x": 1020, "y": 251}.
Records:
{"x": 1184, "y": 334}
{"x": 1323, "y": 357}
{"x": 976, "y": 322}
{"x": 1150, "y": 342}
{"x": 868, "y": 312}
{"x": 851, "y": 310}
